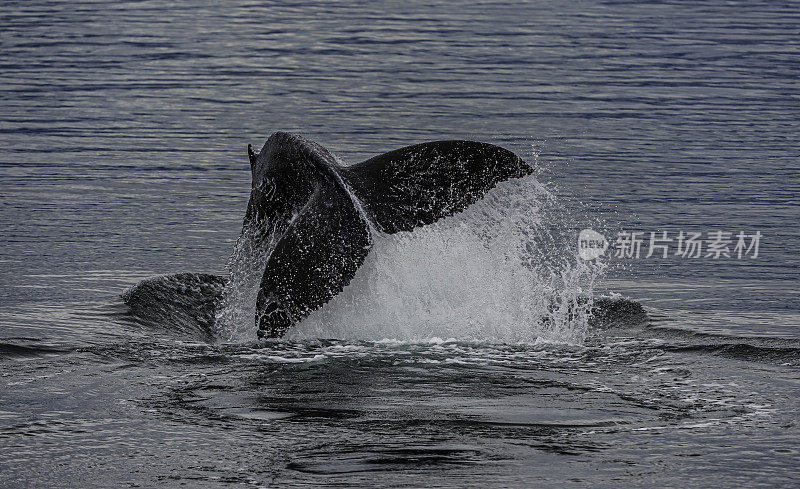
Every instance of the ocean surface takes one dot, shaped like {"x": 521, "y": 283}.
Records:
{"x": 480, "y": 351}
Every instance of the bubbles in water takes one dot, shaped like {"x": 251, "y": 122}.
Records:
{"x": 498, "y": 271}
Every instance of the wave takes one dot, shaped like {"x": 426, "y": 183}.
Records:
{"x": 16, "y": 350}
{"x": 780, "y": 355}
{"x": 184, "y": 303}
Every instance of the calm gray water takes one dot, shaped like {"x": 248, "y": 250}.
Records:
{"x": 122, "y": 156}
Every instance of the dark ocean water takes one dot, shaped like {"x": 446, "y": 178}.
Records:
{"x": 123, "y": 128}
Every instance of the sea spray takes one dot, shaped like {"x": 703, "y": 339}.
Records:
{"x": 502, "y": 270}
{"x": 505, "y": 269}
{"x": 237, "y": 308}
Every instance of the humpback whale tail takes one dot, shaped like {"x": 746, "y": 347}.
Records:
{"x": 321, "y": 216}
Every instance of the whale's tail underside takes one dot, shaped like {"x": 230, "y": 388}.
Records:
{"x": 331, "y": 233}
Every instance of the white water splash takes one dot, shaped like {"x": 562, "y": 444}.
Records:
{"x": 235, "y": 317}
{"x": 503, "y": 270}
{"x": 497, "y": 271}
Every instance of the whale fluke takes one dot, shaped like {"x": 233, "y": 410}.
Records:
{"x": 305, "y": 201}
{"x": 314, "y": 260}
{"x": 416, "y": 185}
